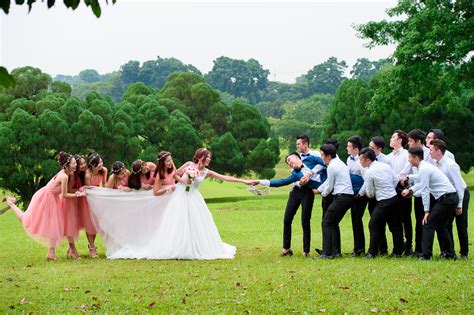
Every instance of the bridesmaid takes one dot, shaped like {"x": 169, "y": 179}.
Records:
{"x": 165, "y": 174}
{"x": 44, "y": 218}
{"x": 142, "y": 175}
{"x": 96, "y": 175}
{"x": 71, "y": 216}
{"x": 119, "y": 177}
{"x": 84, "y": 221}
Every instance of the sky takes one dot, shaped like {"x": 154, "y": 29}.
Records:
{"x": 287, "y": 38}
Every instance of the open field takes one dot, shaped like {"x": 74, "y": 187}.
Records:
{"x": 257, "y": 280}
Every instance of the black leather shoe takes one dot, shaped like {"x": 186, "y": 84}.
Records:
{"x": 408, "y": 251}
{"x": 305, "y": 254}
{"x": 324, "y": 257}
{"x": 318, "y": 251}
{"x": 392, "y": 255}
{"x": 369, "y": 256}
{"x": 463, "y": 257}
{"x": 424, "y": 258}
{"x": 358, "y": 253}
{"x": 337, "y": 255}
{"x": 417, "y": 254}
{"x": 289, "y": 252}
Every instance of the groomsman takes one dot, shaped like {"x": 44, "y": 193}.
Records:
{"x": 377, "y": 144}
{"x": 453, "y": 172}
{"x": 436, "y": 215}
{"x": 299, "y": 195}
{"x": 380, "y": 182}
{"x": 437, "y": 134}
{"x": 398, "y": 159}
{"x": 354, "y": 145}
{"x": 338, "y": 183}
{"x": 415, "y": 140}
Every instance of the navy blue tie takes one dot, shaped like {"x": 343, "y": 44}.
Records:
{"x": 304, "y": 154}
{"x": 352, "y": 158}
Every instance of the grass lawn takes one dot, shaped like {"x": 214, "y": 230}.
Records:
{"x": 257, "y": 280}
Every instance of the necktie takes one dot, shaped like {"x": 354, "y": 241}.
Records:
{"x": 352, "y": 158}
{"x": 304, "y": 154}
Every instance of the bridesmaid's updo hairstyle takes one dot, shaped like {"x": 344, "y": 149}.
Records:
{"x": 201, "y": 153}
{"x": 134, "y": 180}
{"x": 160, "y": 164}
{"x": 93, "y": 159}
{"x": 117, "y": 167}
{"x": 64, "y": 158}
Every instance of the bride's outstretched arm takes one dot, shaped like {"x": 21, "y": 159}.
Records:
{"x": 227, "y": 178}
{"x": 158, "y": 190}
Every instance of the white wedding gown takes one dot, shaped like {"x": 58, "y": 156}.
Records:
{"x": 140, "y": 225}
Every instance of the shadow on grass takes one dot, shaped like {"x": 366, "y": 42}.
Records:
{"x": 243, "y": 198}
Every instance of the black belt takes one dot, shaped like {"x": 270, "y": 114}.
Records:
{"x": 447, "y": 195}
{"x": 341, "y": 194}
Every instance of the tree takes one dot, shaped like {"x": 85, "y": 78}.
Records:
{"x": 29, "y": 82}
{"x": 89, "y": 75}
{"x": 365, "y": 69}
{"x": 227, "y": 157}
{"x": 238, "y": 77}
{"x": 325, "y": 77}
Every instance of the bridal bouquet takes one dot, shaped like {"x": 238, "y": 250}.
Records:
{"x": 191, "y": 175}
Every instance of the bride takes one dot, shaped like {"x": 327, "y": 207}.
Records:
{"x": 175, "y": 225}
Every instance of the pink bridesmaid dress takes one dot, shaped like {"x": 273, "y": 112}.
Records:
{"x": 149, "y": 181}
{"x": 123, "y": 182}
{"x": 44, "y": 219}
{"x": 71, "y": 213}
{"x": 169, "y": 179}
{"x": 85, "y": 219}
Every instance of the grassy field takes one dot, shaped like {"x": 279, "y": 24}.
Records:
{"x": 256, "y": 281}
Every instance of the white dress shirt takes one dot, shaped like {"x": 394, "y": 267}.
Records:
{"x": 354, "y": 165}
{"x": 338, "y": 181}
{"x": 431, "y": 180}
{"x": 315, "y": 171}
{"x": 383, "y": 158}
{"x": 453, "y": 172}
{"x": 380, "y": 181}
{"x": 399, "y": 161}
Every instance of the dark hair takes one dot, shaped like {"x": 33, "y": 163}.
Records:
{"x": 64, "y": 158}
{"x": 134, "y": 180}
{"x": 117, "y": 167}
{"x": 329, "y": 149}
{"x": 293, "y": 153}
{"x": 416, "y": 151}
{"x": 93, "y": 159}
{"x": 368, "y": 153}
{"x": 417, "y": 134}
{"x": 356, "y": 142}
{"x": 305, "y": 138}
{"x": 439, "y": 144}
{"x": 438, "y": 133}
{"x": 379, "y": 142}
{"x": 78, "y": 174}
{"x": 332, "y": 141}
{"x": 402, "y": 135}
{"x": 160, "y": 165}
{"x": 200, "y": 153}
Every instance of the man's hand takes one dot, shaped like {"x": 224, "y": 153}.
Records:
{"x": 425, "y": 219}
{"x": 458, "y": 211}
{"x": 304, "y": 180}
{"x": 404, "y": 181}
{"x": 406, "y": 193}
{"x": 316, "y": 192}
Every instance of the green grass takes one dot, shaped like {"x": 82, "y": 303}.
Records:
{"x": 257, "y": 280}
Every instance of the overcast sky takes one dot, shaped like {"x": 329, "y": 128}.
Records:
{"x": 287, "y": 38}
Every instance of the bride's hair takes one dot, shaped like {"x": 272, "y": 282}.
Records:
{"x": 134, "y": 180}
{"x": 160, "y": 165}
{"x": 201, "y": 153}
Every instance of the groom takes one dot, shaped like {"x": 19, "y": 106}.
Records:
{"x": 306, "y": 175}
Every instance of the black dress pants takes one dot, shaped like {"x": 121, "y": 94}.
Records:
{"x": 386, "y": 211}
{"x": 461, "y": 225}
{"x": 383, "y": 238}
{"x": 405, "y": 206}
{"x": 437, "y": 221}
{"x": 334, "y": 214}
{"x": 357, "y": 213}
{"x": 419, "y": 215}
{"x": 299, "y": 196}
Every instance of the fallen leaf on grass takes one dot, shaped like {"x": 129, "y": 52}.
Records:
{"x": 11, "y": 307}
{"x": 94, "y": 298}
{"x": 183, "y": 301}
{"x": 23, "y": 301}
{"x": 96, "y": 306}
{"x": 374, "y": 310}
{"x": 84, "y": 307}
{"x": 402, "y": 300}
{"x": 281, "y": 285}
{"x": 402, "y": 266}
{"x": 87, "y": 291}
{"x": 344, "y": 288}
{"x": 67, "y": 289}
{"x": 152, "y": 304}
{"x": 237, "y": 284}
{"x": 9, "y": 279}
{"x": 323, "y": 310}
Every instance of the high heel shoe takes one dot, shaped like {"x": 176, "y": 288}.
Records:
{"x": 51, "y": 258}
{"x": 73, "y": 254}
{"x": 92, "y": 252}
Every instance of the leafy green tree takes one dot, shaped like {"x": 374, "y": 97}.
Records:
{"x": 325, "y": 77}
{"x": 238, "y": 77}
{"x": 89, "y": 75}
{"x": 29, "y": 82}
{"x": 261, "y": 160}
{"x": 227, "y": 157}
{"x": 61, "y": 87}
{"x": 365, "y": 69}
